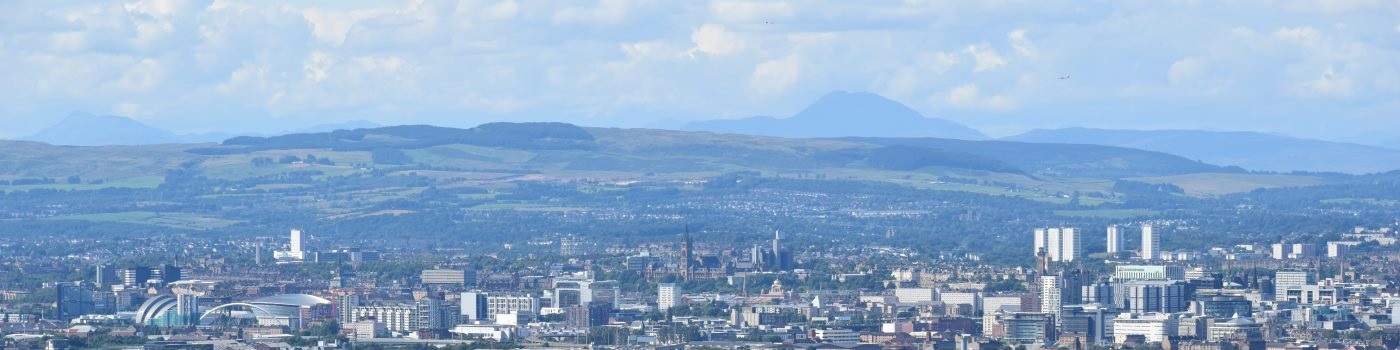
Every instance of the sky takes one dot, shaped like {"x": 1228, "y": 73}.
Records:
{"x": 1314, "y": 68}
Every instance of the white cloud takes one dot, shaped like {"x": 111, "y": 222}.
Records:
{"x": 1329, "y": 84}
{"x": 964, "y": 96}
{"x": 607, "y": 12}
{"x": 714, "y": 39}
{"x": 502, "y": 10}
{"x": 940, "y": 62}
{"x": 776, "y": 76}
{"x": 750, "y": 11}
{"x": 1304, "y": 35}
{"x": 1185, "y": 70}
{"x": 1022, "y": 44}
{"x": 969, "y": 97}
{"x": 985, "y": 57}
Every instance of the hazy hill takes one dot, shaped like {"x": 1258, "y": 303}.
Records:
{"x": 840, "y": 114}
{"x": 1073, "y": 160}
{"x": 1254, "y": 151}
{"x": 83, "y": 129}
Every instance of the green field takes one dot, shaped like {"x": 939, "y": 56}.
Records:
{"x": 172, "y": 220}
{"x": 522, "y": 207}
{"x": 131, "y": 182}
{"x": 1107, "y": 213}
{"x": 1214, "y": 184}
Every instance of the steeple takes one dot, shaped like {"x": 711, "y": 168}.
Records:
{"x": 687, "y": 255}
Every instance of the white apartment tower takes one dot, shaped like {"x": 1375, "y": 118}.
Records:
{"x": 295, "y": 246}
{"x": 1115, "y": 239}
{"x": 668, "y": 296}
{"x": 1059, "y": 244}
{"x": 1151, "y": 243}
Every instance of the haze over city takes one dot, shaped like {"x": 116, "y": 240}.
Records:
{"x": 1317, "y": 69}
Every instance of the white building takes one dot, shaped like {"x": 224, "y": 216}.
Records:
{"x": 1059, "y": 244}
{"x": 485, "y": 331}
{"x": 973, "y": 299}
{"x": 836, "y": 336}
{"x": 1115, "y": 239}
{"x": 1154, "y": 327}
{"x": 294, "y": 250}
{"x": 1290, "y": 279}
{"x": 1148, "y": 272}
{"x": 668, "y": 296}
{"x": 394, "y": 318}
{"x": 523, "y": 305}
{"x": 1151, "y": 243}
{"x": 1050, "y": 297}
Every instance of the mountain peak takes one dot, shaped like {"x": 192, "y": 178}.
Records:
{"x": 86, "y": 129}
{"x": 842, "y": 113}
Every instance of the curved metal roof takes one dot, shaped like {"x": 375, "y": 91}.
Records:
{"x": 154, "y": 307}
{"x": 291, "y": 300}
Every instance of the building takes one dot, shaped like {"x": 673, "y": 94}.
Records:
{"x": 106, "y": 277}
{"x": 1093, "y": 322}
{"x": 72, "y": 300}
{"x": 364, "y": 330}
{"x": 135, "y": 276}
{"x": 836, "y": 336}
{"x": 475, "y": 307}
{"x": 1050, "y": 297}
{"x": 294, "y": 252}
{"x": 1151, "y": 243}
{"x": 398, "y": 318}
{"x": 1058, "y": 244}
{"x": 587, "y": 315}
{"x": 668, "y": 296}
{"x": 570, "y": 291}
{"x": 345, "y": 305}
{"x": 1339, "y": 249}
{"x": 449, "y": 277}
{"x": 915, "y": 295}
{"x": 1153, "y": 328}
{"x": 522, "y": 305}
{"x": 1224, "y": 306}
{"x": 1025, "y": 328}
{"x": 1291, "y": 278}
{"x": 293, "y": 311}
{"x": 1242, "y": 327}
{"x": 1152, "y": 296}
{"x": 1148, "y": 273}
{"x": 1115, "y": 240}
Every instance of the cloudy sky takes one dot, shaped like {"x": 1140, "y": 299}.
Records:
{"x": 1324, "y": 68}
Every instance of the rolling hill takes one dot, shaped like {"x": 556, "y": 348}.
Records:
{"x": 1250, "y": 150}
{"x": 840, "y": 114}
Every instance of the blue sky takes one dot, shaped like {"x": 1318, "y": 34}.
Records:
{"x": 1325, "y": 68}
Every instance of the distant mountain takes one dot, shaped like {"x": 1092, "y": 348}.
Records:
{"x": 83, "y": 129}
{"x": 842, "y": 114}
{"x": 1250, "y": 150}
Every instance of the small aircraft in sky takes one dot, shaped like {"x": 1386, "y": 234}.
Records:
{"x": 1066, "y": 76}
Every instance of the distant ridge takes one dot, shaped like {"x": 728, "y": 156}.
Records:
{"x": 845, "y": 114}
{"x": 1250, "y": 150}
{"x": 84, "y": 129}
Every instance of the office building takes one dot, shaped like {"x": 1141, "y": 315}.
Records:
{"x": 106, "y": 277}
{"x": 1058, "y": 244}
{"x": 587, "y": 315}
{"x": 474, "y": 307}
{"x": 1151, "y": 243}
{"x": 72, "y": 300}
{"x": 398, "y": 318}
{"x": 1155, "y": 327}
{"x": 668, "y": 296}
{"x": 570, "y": 291}
{"x": 449, "y": 277}
{"x": 1291, "y": 279}
{"x": 136, "y": 276}
{"x": 525, "y": 306}
{"x": 1148, "y": 273}
{"x": 1115, "y": 240}
{"x": 915, "y": 295}
{"x": 1224, "y": 306}
{"x": 1152, "y": 296}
